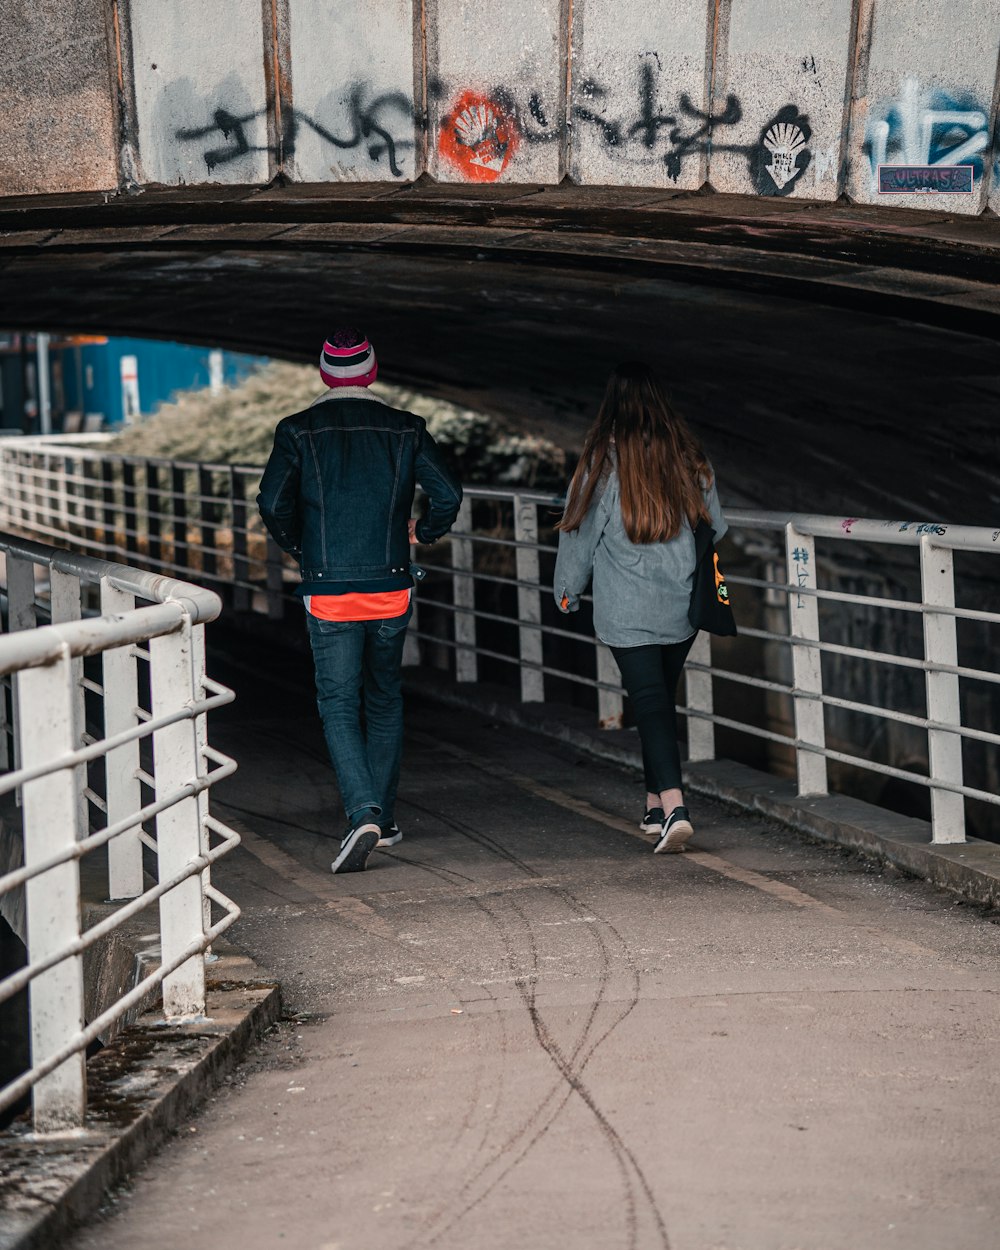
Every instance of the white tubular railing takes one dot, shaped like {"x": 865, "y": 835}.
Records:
{"x": 79, "y": 738}
{"x": 486, "y": 610}
{"x": 796, "y": 590}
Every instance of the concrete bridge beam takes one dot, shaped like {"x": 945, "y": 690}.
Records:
{"x": 751, "y": 97}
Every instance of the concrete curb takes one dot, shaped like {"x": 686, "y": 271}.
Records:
{"x": 141, "y": 1087}
{"x": 971, "y": 868}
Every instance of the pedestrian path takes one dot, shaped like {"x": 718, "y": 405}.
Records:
{"x": 519, "y": 1028}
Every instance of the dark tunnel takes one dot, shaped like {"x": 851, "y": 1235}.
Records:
{"x": 834, "y": 360}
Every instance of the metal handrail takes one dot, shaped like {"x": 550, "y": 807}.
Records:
{"x": 45, "y": 755}
{"x": 499, "y": 576}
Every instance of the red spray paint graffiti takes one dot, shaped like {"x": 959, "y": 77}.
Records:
{"x": 478, "y": 137}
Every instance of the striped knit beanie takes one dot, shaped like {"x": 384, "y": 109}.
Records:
{"x": 347, "y": 359}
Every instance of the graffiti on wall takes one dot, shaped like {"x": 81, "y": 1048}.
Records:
{"x": 371, "y": 120}
{"x": 480, "y": 132}
{"x": 929, "y": 127}
{"x": 479, "y": 137}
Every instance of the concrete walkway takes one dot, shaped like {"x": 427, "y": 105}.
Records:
{"x": 519, "y": 1028}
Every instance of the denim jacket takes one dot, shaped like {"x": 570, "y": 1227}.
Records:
{"x": 642, "y": 591}
{"x": 338, "y": 489}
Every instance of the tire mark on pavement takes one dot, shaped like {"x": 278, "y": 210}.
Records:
{"x": 570, "y": 1068}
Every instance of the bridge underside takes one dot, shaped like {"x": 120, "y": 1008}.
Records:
{"x": 834, "y": 357}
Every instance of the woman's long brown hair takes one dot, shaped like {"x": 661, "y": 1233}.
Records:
{"x": 662, "y": 469}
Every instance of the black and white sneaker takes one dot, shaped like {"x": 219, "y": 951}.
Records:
{"x": 356, "y": 847}
{"x": 652, "y": 822}
{"x": 676, "y": 831}
{"x": 390, "y": 834}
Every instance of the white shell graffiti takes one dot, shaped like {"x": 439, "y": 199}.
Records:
{"x": 784, "y": 141}
{"x": 475, "y": 126}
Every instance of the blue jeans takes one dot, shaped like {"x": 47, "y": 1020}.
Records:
{"x": 358, "y": 665}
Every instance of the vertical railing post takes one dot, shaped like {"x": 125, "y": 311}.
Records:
{"x": 241, "y": 565}
{"x": 77, "y": 496}
{"x": 52, "y": 899}
{"x": 85, "y": 512}
{"x": 123, "y": 792}
{"x": 937, "y": 574}
{"x": 67, "y": 605}
{"x": 610, "y": 703}
{"x": 129, "y": 508}
{"x": 529, "y": 601}
{"x": 199, "y": 667}
{"x": 154, "y": 515}
{"x": 62, "y": 517}
{"x": 179, "y": 516}
{"x": 807, "y": 673}
{"x": 33, "y": 486}
{"x": 207, "y": 530}
{"x": 463, "y": 589}
{"x": 21, "y": 614}
{"x": 411, "y": 643}
{"x": 178, "y": 828}
{"x": 109, "y": 506}
{"x": 6, "y": 495}
{"x": 275, "y": 570}
{"x": 700, "y": 698}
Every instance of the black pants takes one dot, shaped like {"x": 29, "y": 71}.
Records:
{"x": 650, "y": 675}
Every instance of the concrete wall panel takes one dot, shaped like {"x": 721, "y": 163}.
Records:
{"x": 927, "y": 98}
{"x": 353, "y": 92}
{"x": 200, "y": 94}
{"x": 993, "y": 183}
{"x": 639, "y": 92}
{"x": 57, "y": 124}
{"x": 496, "y": 90}
{"x": 780, "y": 91}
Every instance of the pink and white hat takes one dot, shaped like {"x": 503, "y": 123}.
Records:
{"x": 348, "y": 359}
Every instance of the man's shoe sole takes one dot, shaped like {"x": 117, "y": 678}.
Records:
{"x": 355, "y": 851}
{"x": 674, "y": 841}
{"x": 390, "y": 839}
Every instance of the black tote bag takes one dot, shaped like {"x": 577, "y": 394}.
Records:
{"x": 710, "y": 607}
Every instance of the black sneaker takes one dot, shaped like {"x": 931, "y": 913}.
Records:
{"x": 652, "y": 822}
{"x": 390, "y": 834}
{"x": 676, "y": 831}
{"x": 356, "y": 847}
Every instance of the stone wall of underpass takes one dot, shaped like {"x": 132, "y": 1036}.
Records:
{"x": 752, "y": 97}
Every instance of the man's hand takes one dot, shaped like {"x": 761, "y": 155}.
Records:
{"x": 411, "y": 526}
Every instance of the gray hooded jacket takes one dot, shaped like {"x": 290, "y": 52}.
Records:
{"x": 642, "y": 591}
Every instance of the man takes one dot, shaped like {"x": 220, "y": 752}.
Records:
{"x": 337, "y": 493}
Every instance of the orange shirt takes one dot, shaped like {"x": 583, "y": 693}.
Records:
{"x": 359, "y": 606}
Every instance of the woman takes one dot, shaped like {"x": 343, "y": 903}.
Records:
{"x": 641, "y": 485}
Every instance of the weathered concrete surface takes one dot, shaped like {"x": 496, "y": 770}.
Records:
{"x": 786, "y": 68}
{"x": 484, "y": 67}
{"x": 57, "y": 120}
{"x": 926, "y": 94}
{"x": 748, "y": 96}
{"x": 350, "y": 63}
{"x": 660, "y": 55}
{"x": 527, "y": 1030}
{"x": 141, "y": 1088}
{"x": 200, "y": 97}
